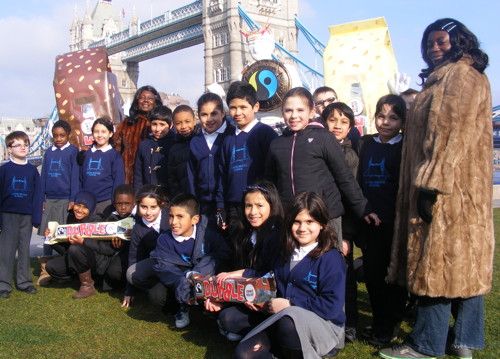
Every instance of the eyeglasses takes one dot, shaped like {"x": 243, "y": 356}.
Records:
{"x": 326, "y": 102}
{"x": 149, "y": 99}
{"x": 20, "y": 146}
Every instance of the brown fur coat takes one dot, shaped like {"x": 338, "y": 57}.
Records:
{"x": 126, "y": 141}
{"x": 447, "y": 149}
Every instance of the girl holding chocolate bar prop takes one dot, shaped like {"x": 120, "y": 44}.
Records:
{"x": 307, "y": 317}
{"x": 102, "y": 168}
{"x": 80, "y": 256}
{"x": 256, "y": 247}
{"x": 152, "y": 210}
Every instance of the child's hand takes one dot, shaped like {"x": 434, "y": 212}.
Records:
{"x": 70, "y": 205}
{"x": 373, "y": 217}
{"x": 127, "y": 301}
{"x": 276, "y": 305}
{"x": 220, "y": 217}
{"x": 213, "y": 306}
{"x": 46, "y": 232}
{"x": 75, "y": 239}
{"x": 221, "y": 277}
{"x": 252, "y": 306}
{"x": 346, "y": 247}
{"x": 116, "y": 242}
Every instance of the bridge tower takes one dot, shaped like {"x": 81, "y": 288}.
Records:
{"x": 101, "y": 23}
{"x": 226, "y": 51}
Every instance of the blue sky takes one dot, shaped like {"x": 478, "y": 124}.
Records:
{"x": 34, "y": 32}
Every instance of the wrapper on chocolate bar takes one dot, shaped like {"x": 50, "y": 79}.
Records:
{"x": 100, "y": 230}
{"x": 85, "y": 90}
{"x": 239, "y": 290}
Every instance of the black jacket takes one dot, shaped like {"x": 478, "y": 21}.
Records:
{"x": 315, "y": 164}
{"x": 178, "y": 159}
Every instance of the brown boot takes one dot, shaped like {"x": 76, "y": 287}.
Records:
{"x": 86, "y": 285}
{"x": 45, "y": 277}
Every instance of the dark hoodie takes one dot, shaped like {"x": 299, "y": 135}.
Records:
{"x": 177, "y": 178}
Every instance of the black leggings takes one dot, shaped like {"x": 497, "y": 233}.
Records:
{"x": 280, "y": 339}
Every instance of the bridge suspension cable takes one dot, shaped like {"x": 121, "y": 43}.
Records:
{"x": 254, "y": 26}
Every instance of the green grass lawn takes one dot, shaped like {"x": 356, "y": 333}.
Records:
{"x": 51, "y": 324}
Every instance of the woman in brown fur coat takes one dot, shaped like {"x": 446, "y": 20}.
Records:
{"x": 443, "y": 245}
{"x": 133, "y": 129}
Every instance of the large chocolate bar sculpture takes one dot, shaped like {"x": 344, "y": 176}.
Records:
{"x": 85, "y": 90}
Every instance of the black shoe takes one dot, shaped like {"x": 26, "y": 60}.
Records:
{"x": 4, "y": 294}
{"x": 350, "y": 334}
{"x": 332, "y": 353}
{"x": 380, "y": 341}
{"x": 367, "y": 332}
{"x": 29, "y": 290}
{"x": 458, "y": 352}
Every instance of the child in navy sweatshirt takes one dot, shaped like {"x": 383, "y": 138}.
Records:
{"x": 151, "y": 162}
{"x": 102, "y": 169}
{"x": 187, "y": 247}
{"x": 59, "y": 182}
{"x": 205, "y": 149}
{"x": 21, "y": 210}
{"x": 307, "y": 316}
{"x": 243, "y": 152}
{"x": 378, "y": 175}
{"x": 152, "y": 220}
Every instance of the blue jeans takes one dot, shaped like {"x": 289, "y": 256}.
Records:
{"x": 431, "y": 331}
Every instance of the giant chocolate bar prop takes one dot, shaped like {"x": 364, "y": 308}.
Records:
{"x": 85, "y": 90}
{"x": 100, "y": 230}
{"x": 239, "y": 290}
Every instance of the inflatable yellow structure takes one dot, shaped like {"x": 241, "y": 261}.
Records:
{"x": 358, "y": 61}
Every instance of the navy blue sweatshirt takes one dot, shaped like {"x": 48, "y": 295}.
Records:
{"x": 60, "y": 173}
{"x": 20, "y": 191}
{"x": 242, "y": 161}
{"x": 101, "y": 172}
{"x": 378, "y": 175}
{"x": 204, "y": 165}
{"x": 208, "y": 252}
{"x": 151, "y": 161}
{"x": 317, "y": 285}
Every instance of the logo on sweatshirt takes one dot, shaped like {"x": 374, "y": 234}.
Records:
{"x": 19, "y": 187}
{"x": 55, "y": 168}
{"x": 312, "y": 280}
{"x": 310, "y": 139}
{"x": 94, "y": 168}
{"x": 376, "y": 174}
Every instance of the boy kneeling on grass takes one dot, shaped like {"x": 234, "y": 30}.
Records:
{"x": 187, "y": 247}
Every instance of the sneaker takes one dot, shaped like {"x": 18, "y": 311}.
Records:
{"x": 458, "y": 352}
{"x": 182, "y": 318}
{"x": 402, "y": 351}
{"x": 350, "y": 334}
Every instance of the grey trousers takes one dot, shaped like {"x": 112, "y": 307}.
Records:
{"x": 15, "y": 236}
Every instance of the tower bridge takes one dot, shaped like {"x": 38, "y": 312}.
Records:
{"x": 215, "y": 23}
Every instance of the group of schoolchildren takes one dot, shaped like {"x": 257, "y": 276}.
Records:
{"x": 233, "y": 199}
